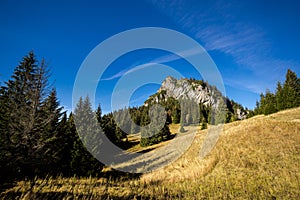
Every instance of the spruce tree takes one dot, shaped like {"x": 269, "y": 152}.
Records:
{"x": 22, "y": 99}
{"x": 51, "y": 136}
{"x": 279, "y": 97}
{"x": 153, "y": 133}
{"x": 270, "y": 103}
{"x": 65, "y": 141}
{"x": 99, "y": 114}
{"x": 87, "y": 138}
{"x": 286, "y": 96}
{"x": 291, "y": 90}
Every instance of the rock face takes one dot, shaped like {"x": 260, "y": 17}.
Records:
{"x": 185, "y": 89}
{"x": 197, "y": 91}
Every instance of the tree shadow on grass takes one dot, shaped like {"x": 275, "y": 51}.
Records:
{"x": 68, "y": 195}
{"x": 113, "y": 174}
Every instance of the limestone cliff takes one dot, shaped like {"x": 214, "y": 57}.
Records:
{"x": 195, "y": 90}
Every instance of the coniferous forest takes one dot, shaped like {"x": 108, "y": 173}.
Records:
{"x": 287, "y": 95}
{"x": 38, "y": 138}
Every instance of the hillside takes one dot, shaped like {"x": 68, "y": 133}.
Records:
{"x": 198, "y": 92}
{"x": 257, "y": 158}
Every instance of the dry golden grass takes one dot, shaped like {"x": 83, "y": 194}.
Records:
{"x": 174, "y": 128}
{"x": 135, "y": 138}
{"x": 258, "y": 158}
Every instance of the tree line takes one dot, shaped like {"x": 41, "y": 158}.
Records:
{"x": 287, "y": 95}
{"x": 37, "y": 138}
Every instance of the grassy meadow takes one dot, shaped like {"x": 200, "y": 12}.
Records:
{"x": 257, "y": 158}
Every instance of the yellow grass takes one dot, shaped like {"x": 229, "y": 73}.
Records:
{"x": 136, "y": 138}
{"x": 258, "y": 158}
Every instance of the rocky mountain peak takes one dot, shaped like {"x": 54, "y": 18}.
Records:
{"x": 195, "y": 90}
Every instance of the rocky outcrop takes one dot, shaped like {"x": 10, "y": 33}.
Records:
{"x": 184, "y": 89}
{"x": 194, "y": 90}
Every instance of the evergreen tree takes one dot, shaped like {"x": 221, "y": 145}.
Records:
{"x": 113, "y": 131}
{"x": 286, "y": 96}
{"x": 70, "y": 142}
{"x": 279, "y": 97}
{"x": 109, "y": 126}
{"x": 220, "y": 112}
{"x": 51, "y": 136}
{"x": 257, "y": 108}
{"x": 169, "y": 117}
{"x": 64, "y": 142}
{"x": 176, "y": 115}
{"x": 99, "y": 114}
{"x": 153, "y": 133}
{"x": 270, "y": 103}
{"x": 87, "y": 127}
{"x": 136, "y": 119}
{"x": 195, "y": 113}
{"x": 262, "y": 104}
{"x": 291, "y": 90}
{"x": 184, "y": 110}
{"x": 205, "y": 112}
{"x": 6, "y": 146}
{"x": 22, "y": 100}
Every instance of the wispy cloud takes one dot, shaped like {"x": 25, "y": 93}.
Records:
{"x": 162, "y": 59}
{"x": 117, "y": 75}
{"x": 173, "y": 57}
{"x": 128, "y": 70}
{"x": 218, "y": 29}
{"x": 247, "y": 85}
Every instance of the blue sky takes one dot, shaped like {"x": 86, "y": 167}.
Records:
{"x": 253, "y": 43}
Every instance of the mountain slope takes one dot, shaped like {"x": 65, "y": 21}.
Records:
{"x": 257, "y": 158}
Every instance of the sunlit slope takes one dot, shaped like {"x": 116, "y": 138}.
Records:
{"x": 257, "y": 158}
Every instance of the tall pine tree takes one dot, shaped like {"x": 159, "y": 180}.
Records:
{"x": 87, "y": 129}
{"x": 25, "y": 133}
{"x": 291, "y": 90}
